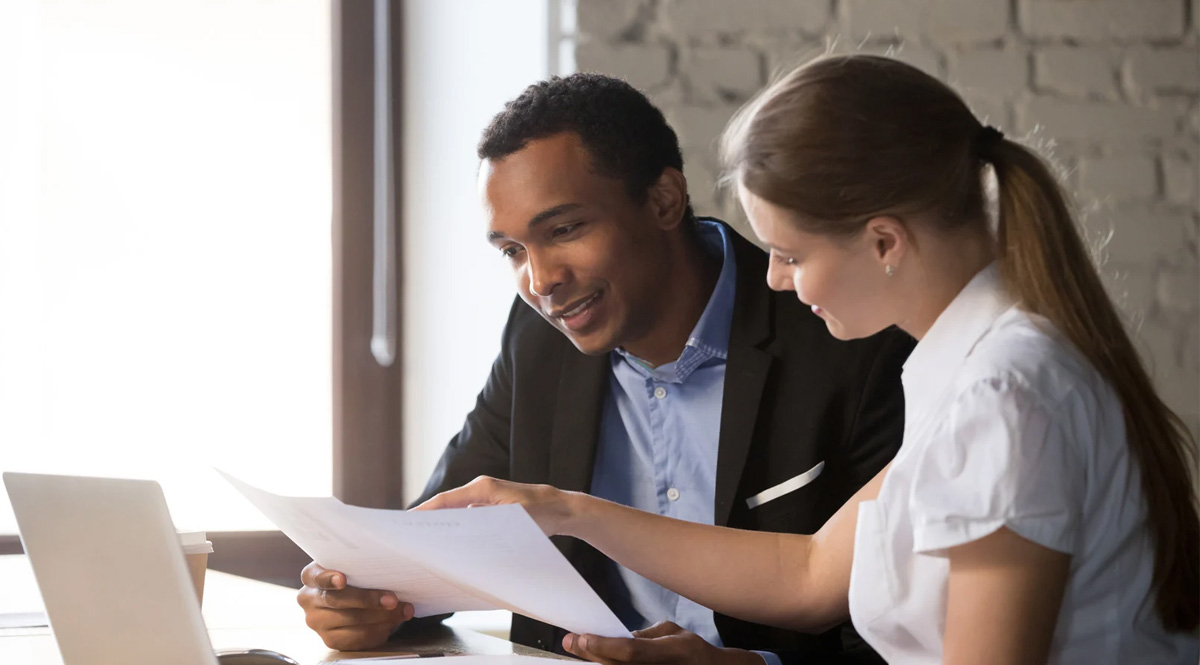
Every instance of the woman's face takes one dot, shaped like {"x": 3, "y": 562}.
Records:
{"x": 844, "y": 279}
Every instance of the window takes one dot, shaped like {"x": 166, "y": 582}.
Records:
{"x": 165, "y": 258}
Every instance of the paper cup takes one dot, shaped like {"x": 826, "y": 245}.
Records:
{"x": 196, "y": 548}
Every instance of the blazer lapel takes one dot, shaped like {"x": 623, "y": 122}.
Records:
{"x": 577, "y": 420}
{"x": 745, "y": 374}
{"x": 573, "y": 438}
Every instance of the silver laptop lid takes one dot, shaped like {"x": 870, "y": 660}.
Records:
{"x": 110, "y": 569}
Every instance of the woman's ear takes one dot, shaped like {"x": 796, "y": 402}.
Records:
{"x": 890, "y": 241}
{"x": 668, "y": 198}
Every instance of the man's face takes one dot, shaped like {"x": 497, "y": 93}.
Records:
{"x": 582, "y": 251}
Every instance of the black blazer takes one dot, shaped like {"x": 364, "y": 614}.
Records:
{"x": 794, "y": 396}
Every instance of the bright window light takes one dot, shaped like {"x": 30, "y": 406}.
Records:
{"x": 165, "y": 205}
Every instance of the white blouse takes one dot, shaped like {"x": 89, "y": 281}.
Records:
{"x": 1006, "y": 424}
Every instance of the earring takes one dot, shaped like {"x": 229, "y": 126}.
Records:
{"x": 890, "y": 270}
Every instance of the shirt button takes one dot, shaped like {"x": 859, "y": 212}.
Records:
{"x": 673, "y": 494}
{"x": 660, "y": 392}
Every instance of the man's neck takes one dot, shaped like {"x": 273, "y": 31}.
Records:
{"x": 691, "y": 287}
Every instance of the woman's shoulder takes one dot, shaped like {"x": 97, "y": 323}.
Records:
{"x": 1024, "y": 352}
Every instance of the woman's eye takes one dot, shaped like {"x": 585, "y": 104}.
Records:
{"x": 787, "y": 261}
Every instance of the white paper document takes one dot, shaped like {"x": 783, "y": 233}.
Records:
{"x": 486, "y": 558}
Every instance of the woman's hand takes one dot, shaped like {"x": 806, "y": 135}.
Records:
{"x": 552, "y": 509}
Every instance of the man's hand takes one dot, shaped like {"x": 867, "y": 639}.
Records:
{"x": 348, "y": 618}
{"x": 661, "y": 643}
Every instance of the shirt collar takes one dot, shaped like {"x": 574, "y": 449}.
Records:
{"x": 937, "y": 357}
{"x": 710, "y": 337}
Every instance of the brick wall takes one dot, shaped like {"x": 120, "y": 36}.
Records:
{"x": 1110, "y": 89}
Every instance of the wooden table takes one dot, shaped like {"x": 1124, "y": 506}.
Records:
{"x": 239, "y": 613}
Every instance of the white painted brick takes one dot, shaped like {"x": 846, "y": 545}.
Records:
{"x": 1131, "y": 288}
{"x": 941, "y": 21}
{"x": 1191, "y": 347}
{"x": 717, "y": 72}
{"x": 1078, "y": 71}
{"x": 1156, "y": 343}
{"x": 928, "y": 60}
{"x": 644, "y": 66}
{"x": 995, "y": 71}
{"x": 702, "y": 186}
{"x": 1179, "y": 288}
{"x": 1181, "y": 180}
{"x": 708, "y": 17}
{"x": 1119, "y": 178}
{"x": 1101, "y": 20}
{"x": 784, "y": 55}
{"x": 988, "y": 109}
{"x": 1179, "y": 389}
{"x": 1076, "y": 120}
{"x": 699, "y": 127}
{"x": 1184, "y": 107}
{"x": 1140, "y": 235}
{"x": 606, "y": 19}
{"x": 1163, "y": 70}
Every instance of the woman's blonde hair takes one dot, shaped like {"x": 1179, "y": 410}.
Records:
{"x": 843, "y": 139}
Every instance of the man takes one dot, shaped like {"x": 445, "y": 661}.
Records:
{"x": 647, "y": 362}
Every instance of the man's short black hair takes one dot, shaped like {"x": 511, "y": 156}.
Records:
{"x": 627, "y": 135}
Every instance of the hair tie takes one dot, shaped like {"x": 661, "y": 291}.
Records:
{"x": 986, "y": 137}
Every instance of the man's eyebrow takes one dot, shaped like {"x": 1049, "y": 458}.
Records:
{"x": 550, "y": 213}
{"x": 543, "y": 216}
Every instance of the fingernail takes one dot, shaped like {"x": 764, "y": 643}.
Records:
{"x": 388, "y": 601}
{"x": 336, "y": 580}
{"x": 409, "y": 611}
{"x": 569, "y": 642}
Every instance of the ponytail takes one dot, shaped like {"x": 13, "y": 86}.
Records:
{"x": 1044, "y": 262}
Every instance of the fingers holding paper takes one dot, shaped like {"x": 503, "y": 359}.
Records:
{"x": 548, "y": 506}
{"x": 346, "y": 617}
{"x": 664, "y": 642}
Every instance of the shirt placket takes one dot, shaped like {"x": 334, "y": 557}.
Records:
{"x": 657, "y": 393}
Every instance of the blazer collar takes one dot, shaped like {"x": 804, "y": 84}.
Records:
{"x": 745, "y": 373}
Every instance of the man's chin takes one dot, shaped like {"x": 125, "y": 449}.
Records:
{"x": 595, "y": 344}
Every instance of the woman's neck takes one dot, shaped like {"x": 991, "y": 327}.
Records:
{"x": 945, "y": 264}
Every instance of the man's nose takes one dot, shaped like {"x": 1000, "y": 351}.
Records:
{"x": 545, "y": 275}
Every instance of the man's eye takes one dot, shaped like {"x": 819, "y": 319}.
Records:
{"x": 510, "y": 251}
{"x": 564, "y": 229}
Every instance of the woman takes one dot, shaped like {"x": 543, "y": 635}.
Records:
{"x": 1040, "y": 508}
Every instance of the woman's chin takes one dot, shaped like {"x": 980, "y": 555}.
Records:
{"x": 845, "y": 334}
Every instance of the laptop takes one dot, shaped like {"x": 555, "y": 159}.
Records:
{"x": 110, "y": 569}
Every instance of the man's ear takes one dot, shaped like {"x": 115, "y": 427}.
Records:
{"x": 668, "y": 198}
{"x": 890, "y": 240}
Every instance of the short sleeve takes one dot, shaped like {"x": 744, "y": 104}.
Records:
{"x": 999, "y": 458}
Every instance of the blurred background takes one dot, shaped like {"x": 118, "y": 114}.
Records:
{"x": 211, "y": 209}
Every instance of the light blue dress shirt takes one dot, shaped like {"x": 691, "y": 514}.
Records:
{"x": 657, "y": 449}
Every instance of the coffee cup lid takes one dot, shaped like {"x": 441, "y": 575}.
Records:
{"x": 195, "y": 542}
